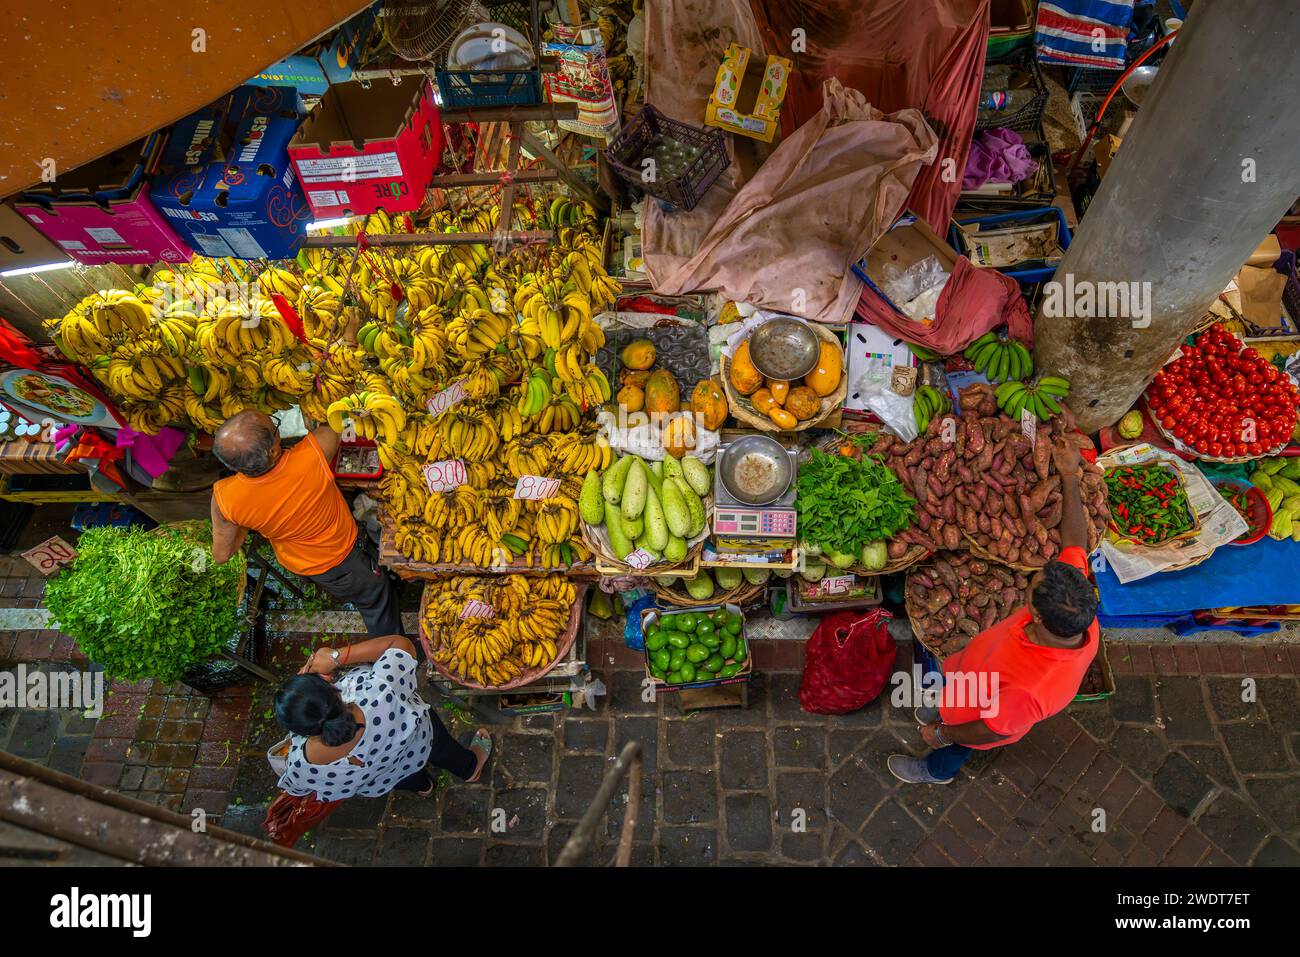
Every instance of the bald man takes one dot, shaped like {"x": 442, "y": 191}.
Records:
{"x": 290, "y": 496}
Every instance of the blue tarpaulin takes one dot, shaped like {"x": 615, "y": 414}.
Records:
{"x": 1265, "y": 573}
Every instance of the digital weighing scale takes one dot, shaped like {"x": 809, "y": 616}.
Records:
{"x": 753, "y": 529}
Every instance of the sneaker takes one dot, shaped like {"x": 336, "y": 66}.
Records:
{"x": 912, "y": 770}
{"x": 924, "y": 715}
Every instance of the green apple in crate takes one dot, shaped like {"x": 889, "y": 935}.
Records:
{"x": 691, "y": 646}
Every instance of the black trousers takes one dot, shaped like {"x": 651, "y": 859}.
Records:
{"x": 360, "y": 580}
{"x": 447, "y": 753}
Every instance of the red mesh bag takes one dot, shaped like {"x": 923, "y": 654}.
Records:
{"x": 290, "y": 817}
{"x": 848, "y": 662}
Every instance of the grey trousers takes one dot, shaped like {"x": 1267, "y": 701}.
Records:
{"x": 360, "y": 580}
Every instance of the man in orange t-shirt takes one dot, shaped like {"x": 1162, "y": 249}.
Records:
{"x": 290, "y": 496}
{"x": 1025, "y": 668}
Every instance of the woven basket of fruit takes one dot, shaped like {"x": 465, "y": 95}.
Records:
{"x": 498, "y": 632}
{"x": 778, "y": 406}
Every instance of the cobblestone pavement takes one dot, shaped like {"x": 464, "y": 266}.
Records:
{"x": 773, "y": 785}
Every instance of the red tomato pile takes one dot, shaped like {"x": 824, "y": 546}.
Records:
{"x": 1209, "y": 397}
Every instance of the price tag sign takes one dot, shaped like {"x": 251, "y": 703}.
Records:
{"x": 640, "y": 559}
{"x": 445, "y": 475}
{"x": 837, "y": 586}
{"x": 1029, "y": 424}
{"x": 536, "y": 488}
{"x": 50, "y": 555}
{"x": 477, "y": 609}
{"x": 445, "y": 399}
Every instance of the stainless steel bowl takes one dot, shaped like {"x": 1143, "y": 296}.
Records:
{"x": 755, "y": 469}
{"x": 1138, "y": 84}
{"x": 784, "y": 349}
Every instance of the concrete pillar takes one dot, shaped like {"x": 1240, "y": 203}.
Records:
{"x": 1210, "y": 165}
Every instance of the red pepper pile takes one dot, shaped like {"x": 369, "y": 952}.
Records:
{"x": 1147, "y": 503}
{"x": 1222, "y": 400}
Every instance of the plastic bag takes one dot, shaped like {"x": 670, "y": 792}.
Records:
{"x": 904, "y": 285}
{"x": 290, "y": 817}
{"x": 873, "y": 386}
{"x": 848, "y": 662}
{"x": 632, "y": 636}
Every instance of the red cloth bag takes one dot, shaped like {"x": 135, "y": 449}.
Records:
{"x": 290, "y": 817}
{"x": 848, "y": 662}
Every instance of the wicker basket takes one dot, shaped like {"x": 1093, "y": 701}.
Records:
{"x": 743, "y": 410}
{"x": 1183, "y": 447}
{"x": 597, "y": 540}
{"x": 1108, "y": 462}
{"x": 740, "y": 595}
{"x": 562, "y": 646}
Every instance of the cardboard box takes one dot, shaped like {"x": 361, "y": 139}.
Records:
{"x": 243, "y": 201}
{"x": 746, "y": 97}
{"x": 22, "y": 245}
{"x": 101, "y": 213}
{"x": 367, "y": 149}
{"x": 336, "y": 63}
{"x": 120, "y": 231}
{"x": 110, "y": 177}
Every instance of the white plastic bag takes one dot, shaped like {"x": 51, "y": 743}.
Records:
{"x": 872, "y": 384}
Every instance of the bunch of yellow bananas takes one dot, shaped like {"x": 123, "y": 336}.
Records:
{"x": 374, "y": 415}
{"x": 470, "y": 434}
{"x": 529, "y": 617}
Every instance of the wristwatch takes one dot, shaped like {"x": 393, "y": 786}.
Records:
{"x": 334, "y": 653}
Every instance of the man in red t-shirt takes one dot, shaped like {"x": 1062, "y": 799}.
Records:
{"x": 1025, "y": 668}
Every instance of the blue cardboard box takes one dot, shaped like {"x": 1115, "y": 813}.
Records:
{"x": 312, "y": 75}
{"x": 242, "y": 199}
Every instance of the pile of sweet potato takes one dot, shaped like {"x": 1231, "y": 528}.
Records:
{"x": 955, "y": 596}
{"x": 980, "y": 481}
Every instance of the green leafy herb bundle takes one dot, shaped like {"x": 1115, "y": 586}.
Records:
{"x": 845, "y": 503}
{"x": 147, "y": 604}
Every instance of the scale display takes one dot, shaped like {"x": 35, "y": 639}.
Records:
{"x": 754, "y": 522}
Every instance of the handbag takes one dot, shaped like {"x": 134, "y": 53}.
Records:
{"x": 290, "y": 817}
{"x": 277, "y": 755}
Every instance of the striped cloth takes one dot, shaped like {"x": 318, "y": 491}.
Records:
{"x": 1087, "y": 33}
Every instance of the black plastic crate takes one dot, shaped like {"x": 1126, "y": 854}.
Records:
{"x": 637, "y": 141}
{"x": 1027, "y": 117}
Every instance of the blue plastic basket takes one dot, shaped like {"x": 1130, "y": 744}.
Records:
{"x": 467, "y": 89}
{"x": 1026, "y": 275}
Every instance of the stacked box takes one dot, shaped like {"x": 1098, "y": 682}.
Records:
{"x": 242, "y": 199}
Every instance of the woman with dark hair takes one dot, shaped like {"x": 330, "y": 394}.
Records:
{"x": 370, "y": 733}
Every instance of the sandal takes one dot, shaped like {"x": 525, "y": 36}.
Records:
{"x": 479, "y": 739}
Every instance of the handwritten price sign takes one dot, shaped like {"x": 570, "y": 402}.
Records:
{"x": 477, "y": 609}
{"x": 836, "y": 586}
{"x": 50, "y": 555}
{"x": 1029, "y": 424}
{"x": 445, "y": 475}
{"x": 445, "y": 399}
{"x": 640, "y": 558}
{"x": 535, "y": 487}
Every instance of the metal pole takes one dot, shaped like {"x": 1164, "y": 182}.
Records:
{"x": 580, "y": 840}
{"x": 1208, "y": 168}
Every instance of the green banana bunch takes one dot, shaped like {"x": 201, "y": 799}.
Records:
{"x": 1001, "y": 360}
{"x": 926, "y": 404}
{"x": 1038, "y": 397}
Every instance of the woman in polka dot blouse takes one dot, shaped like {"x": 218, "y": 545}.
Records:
{"x": 368, "y": 733}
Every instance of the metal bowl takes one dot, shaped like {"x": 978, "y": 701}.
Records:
{"x": 755, "y": 469}
{"x": 784, "y": 349}
{"x": 1138, "y": 84}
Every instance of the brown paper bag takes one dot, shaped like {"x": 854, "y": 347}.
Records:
{"x": 1261, "y": 295}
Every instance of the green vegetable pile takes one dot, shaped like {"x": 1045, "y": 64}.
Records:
{"x": 847, "y": 505}
{"x": 147, "y": 604}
